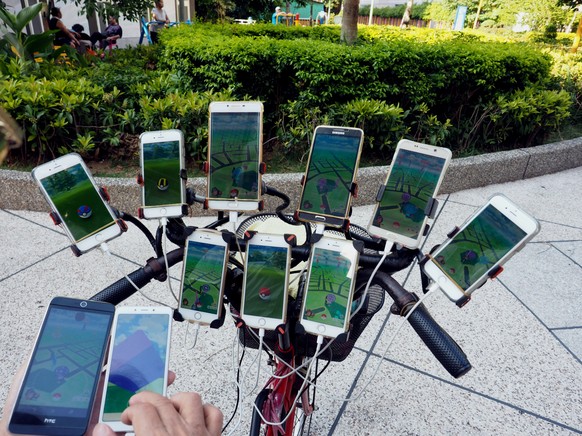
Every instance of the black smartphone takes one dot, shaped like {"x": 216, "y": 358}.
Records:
{"x": 58, "y": 390}
{"x": 331, "y": 171}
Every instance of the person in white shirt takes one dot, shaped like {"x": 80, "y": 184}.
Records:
{"x": 161, "y": 17}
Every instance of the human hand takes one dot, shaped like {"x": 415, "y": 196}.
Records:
{"x": 184, "y": 414}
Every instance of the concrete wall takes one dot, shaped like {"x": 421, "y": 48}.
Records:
{"x": 18, "y": 191}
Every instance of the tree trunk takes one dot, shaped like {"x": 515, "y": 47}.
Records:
{"x": 406, "y": 17}
{"x": 574, "y": 48}
{"x": 349, "y": 32}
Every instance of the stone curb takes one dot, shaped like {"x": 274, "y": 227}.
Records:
{"x": 19, "y": 192}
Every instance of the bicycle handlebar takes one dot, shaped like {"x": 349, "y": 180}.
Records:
{"x": 438, "y": 341}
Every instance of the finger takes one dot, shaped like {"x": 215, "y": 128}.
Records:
{"x": 145, "y": 419}
{"x": 189, "y": 406}
{"x": 214, "y": 419}
{"x": 161, "y": 411}
{"x": 171, "y": 377}
{"x": 102, "y": 430}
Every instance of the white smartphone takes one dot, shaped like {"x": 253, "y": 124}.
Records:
{"x": 488, "y": 239}
{"x": 328, "y": 184}
{"x": 266, "y": 281}
{"x": 73, "y": 195}
{"x": 58, "y": 389}
{"x": 138, "y": 359}
{"x": 235, "y": 144}
{"x": 203, "y": 275}
{"x": 330, "y": 287}
{"x": 163, "y": 177}
{"x": 414, "y": 178}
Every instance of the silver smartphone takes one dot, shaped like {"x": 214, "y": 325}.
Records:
{"x": 203, "y": 275}
{"x": 414, "y": 178}
{"x": 235, "y": 144}
{"x": 138, "y": 359}
{"x": 266, "y": 281}
{"x": 488, "y": 239}
{"x": 330, "y": 287}
{"x": 68, "y": 186}
{"x": 163, "y": 178}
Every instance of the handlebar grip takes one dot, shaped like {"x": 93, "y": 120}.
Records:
{"x": 122, "y": 289}
{"x": 444, "y": 348}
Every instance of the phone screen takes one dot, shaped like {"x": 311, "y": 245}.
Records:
{"x": 203, "y": 273}
{"x": 234, "y": 155}
{"x": 138, "y": 360}
{"x": 64, "y": 368}
{"x": 330, "y": 174}
{"x": 161, "y": 173}
{"x": 77, "y": 201}
{"x": 329, "y": 288}
{"x": 265, "y": 284}
{"x": 412, "y": 183}
{"x": 479, "y": 246}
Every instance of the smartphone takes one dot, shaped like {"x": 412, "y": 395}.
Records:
{"x": 235, "y": 143}
{"x": 72, "y": 193}
{"x": 330, "y": 287}
{"x": 266, "y": 281}
{"x": 58, "y": 389}
{"x": 163, "y": 174}
{"x": 414, "y": 178}
{"x": 328, "y": 183}
{"x": 488, "y": 239}
{"x": 137, "y": 361}
{"x": 203, "y": 276}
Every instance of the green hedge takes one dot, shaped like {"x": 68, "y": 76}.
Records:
{"x": 467, "y": 91}
{"x": 436, "y": 82}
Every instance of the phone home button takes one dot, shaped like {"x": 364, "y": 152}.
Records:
{"x": 321, "y": 328}
{"x": 163, "y": 211}
{"x": 262, "y": 322}
{"x": 443, "y": 280}
{"x": 197, "y": 316}
{"x": 99, "y": 237}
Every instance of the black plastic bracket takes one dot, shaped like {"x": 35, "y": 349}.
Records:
{"x": 453, "y": 232}
{"x": 380, "y": 193}
{"x": 315, "y": 237}
{"x": 122, "y": 225}
{"x": 185, "y": 210}
{"x": 249, "y": 234}
{"x": 290, "y": 239}
{"x": 495, "y": 272}
{"x": 227, "y": 236}
{"x": 354, "y": 189}
{"x": 56, "y": 218}
{"x": 218, "y": 322}
{"x": 76, "y": 250}
{"x": 262, "y": 168}
{"x": 184, "y": 174}
{"x": 178, "y": 316}
{"x": 104, "y": 194}
{"x": 358, "y": 245}
{"x": 431, "y": 207}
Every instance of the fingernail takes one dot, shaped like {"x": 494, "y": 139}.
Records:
{"x": 102, "y": 430}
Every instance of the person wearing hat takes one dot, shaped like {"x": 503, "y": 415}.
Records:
{"x": 275, "y": 17}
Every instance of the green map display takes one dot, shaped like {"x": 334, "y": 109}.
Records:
{"x": 161, "y": 173}
{"x": 234, "y": 156}
{"x": 329, "y": 288}
{"x": 412, "y": 183}
{"x": 203, "y": 272}
{"x": 77, "y": 202}
{"x": 473, "y": 251}
{"x": 330, "y": 174}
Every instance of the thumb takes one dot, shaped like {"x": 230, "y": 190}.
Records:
{"x": 102, "y": 430}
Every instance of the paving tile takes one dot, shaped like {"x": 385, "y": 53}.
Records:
{"x": 572, "y": 338}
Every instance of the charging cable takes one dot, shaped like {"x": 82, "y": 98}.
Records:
{"x": 196, "y": 331}
{"x": 105, "y": 250}
{"x": 164, "y": 224}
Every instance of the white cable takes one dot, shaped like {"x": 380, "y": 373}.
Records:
{"x": 257, "y": 358}
{"x": 363, "y": 297}
{"x": 105, "y": 250}
{"x": 237, "y": 364}
{"x": 357, "y": 397}
{"x": 196, "y": 331}
{"x": 164, "y": 224}
{"x": 305, "y": 381}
